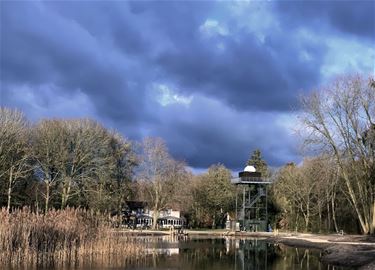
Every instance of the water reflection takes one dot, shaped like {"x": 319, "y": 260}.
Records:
{"x": 226, "y": 253}
{"x": 204, "y": 253}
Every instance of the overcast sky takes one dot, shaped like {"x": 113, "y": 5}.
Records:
{"x": 215, "y": 80}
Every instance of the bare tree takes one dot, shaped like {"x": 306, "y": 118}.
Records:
{"x": 70, "y": 153}
{"x": 14, "y": 149}
{"x": 335, "y": 120}
{"x": 305, "y": 191}
{"x": 112, "y": 187}
{"x": 158, "y": 175}
{"x": 48, "y": 145}
{"x": 124, "y": 160}
{"x": 85, "y": 155}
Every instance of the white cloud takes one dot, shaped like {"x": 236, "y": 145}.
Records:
{"x": 166, "y": 96}
{"x": 256, "y": 16}
{"x": 347, "y": 55}
{"x": 212, "y": 27}
{"x": 343, "y": 54}
{"x": 43, "y": 101}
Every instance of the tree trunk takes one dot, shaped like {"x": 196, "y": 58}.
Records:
{"x": 65, "y": 193}
{"x": 296, "y": 222}
{"x": 306, "y": 216}
{"x": 156, "y": 207}
{"x": 320, "y": 218}
{"x": 353, "y": 197}
{"x": 334, "y": 214}
{"x": 63, "y": 197}
{"x": 328, "y": 220}
{"x": 307, "y": 219}
{"x": 372, "y": 227}
{"x": 37, "y": 199}
{"x": 155, "y": 218}
{"x": 119, "y": 197}
{"x": 10, "y": 188}
{"x": 47, "y": 197}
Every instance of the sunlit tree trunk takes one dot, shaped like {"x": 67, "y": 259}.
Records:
{"x": 65, "y": 191}
{"x": 10, "y": 183}
{"x": 334, "y": 213}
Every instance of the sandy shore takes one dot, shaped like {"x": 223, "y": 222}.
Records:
{"x": 341, "y": 250}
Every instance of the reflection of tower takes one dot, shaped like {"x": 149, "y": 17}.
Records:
{"x": 251, "y": 254}
{"x": 253, "y": 215}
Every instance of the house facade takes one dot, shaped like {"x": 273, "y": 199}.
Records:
{"x": 170, "y": 219}
{"x": 138, "y": 215}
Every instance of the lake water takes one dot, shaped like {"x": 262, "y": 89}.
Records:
{"x": 203, "y": 253}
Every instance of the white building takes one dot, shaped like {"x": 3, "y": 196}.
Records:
{"x": 167, "y": 219}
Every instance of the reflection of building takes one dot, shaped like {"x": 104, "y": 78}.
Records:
{"x": 137, "y": 214}
{"x": 164, "y": 251}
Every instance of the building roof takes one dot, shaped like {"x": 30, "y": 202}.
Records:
{"x": 144, "y": 216}
{"x": 136, "y": 204}
{"x": 249, "y": 169}
{"x": 172, "y": 217}
{"x": 239, "y": 181}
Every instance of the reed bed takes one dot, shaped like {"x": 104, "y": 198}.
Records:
{"x": 61, "y": 238}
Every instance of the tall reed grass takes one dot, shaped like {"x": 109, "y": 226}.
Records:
{"x": 60, "y": 237}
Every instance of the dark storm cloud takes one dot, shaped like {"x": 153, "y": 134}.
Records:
{"x": 179, "y": 21}
{"x": 113, "y": 22}
{"x": 107, "y": 59}
{"x": 229, "y": 144}
{"x": 250, "y": 75}
{"x": 42, "y": 47}
{"x": 354, "y": 17}
{"x": 60, "y": 43}
{"x": 246, "y": 74}
{"x": 207, "y": 132}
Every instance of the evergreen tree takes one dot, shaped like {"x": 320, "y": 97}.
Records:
{"x": 257, "y": 161}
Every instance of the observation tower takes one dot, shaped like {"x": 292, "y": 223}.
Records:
{"x": 251, "y": 209}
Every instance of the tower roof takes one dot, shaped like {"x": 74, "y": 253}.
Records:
{"x": 249, "y": 168}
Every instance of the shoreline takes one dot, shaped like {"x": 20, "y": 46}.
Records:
{"x": 346, "y": 250}
{"x": 340, "y": 250}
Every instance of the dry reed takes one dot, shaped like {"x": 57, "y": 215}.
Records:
{"x": 60, "y": 237}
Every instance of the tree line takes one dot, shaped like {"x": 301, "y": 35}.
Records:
{"x": 56, "y": 163}
{"x": 334, "y": 188}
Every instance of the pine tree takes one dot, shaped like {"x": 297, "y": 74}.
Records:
{"x": 257, "y": 161}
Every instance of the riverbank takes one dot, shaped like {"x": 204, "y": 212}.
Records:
{"x": 341, "y": 250}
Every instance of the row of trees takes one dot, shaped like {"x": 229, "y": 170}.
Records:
{"x": 61, "y": 162}
{"x": 310, "y": 198}
{"x": 335, "y": 189}
{"x": 56, "y": 163}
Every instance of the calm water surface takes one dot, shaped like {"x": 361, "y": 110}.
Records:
{"x": 213, "y": 253}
